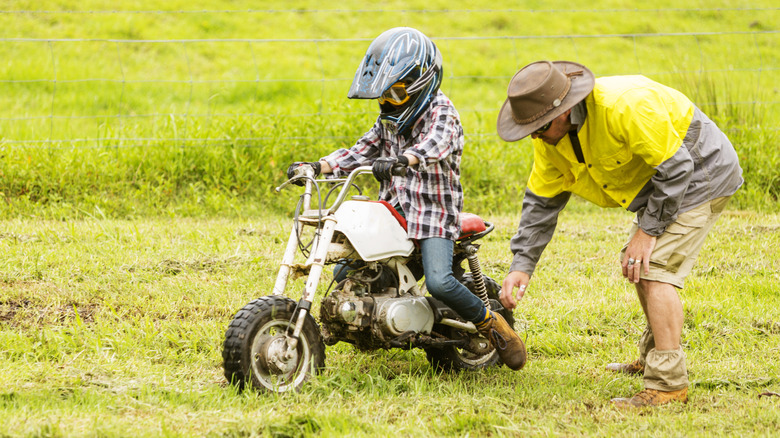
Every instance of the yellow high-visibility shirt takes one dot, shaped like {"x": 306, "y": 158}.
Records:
{"x": 633, "y": 124}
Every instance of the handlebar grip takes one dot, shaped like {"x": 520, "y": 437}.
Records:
{"x": 398, "y": 170}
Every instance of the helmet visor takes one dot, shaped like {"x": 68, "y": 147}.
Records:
{"x": 395, "y": 95}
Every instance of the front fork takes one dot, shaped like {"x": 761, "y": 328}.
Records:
{"x": 316, "y": 261}
{"x": 287, "y": 260}
{"x": 292, "y": 244}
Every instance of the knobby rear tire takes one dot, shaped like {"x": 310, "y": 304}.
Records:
{"x": 452, "y": 358}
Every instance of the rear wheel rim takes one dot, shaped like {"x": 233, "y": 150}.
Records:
{"x": 475, "y": 359}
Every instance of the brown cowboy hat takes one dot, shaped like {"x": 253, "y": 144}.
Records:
{"x": 540, "y": 92}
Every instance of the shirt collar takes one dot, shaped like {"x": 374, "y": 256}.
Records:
{"x": 578, "y": 114}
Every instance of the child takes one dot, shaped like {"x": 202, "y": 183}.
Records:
{"x": 419, "y": 128}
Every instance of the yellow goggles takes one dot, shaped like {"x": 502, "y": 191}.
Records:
{"x": 395, "y": 95}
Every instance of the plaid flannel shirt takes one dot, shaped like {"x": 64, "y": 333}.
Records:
{"x": 430, "y": 194}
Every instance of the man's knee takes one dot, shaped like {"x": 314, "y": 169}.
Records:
{"x": 647, "y": 287}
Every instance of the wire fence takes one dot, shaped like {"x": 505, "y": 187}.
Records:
{"x": 384, "y": 10}
{"x": 250, "y": 92}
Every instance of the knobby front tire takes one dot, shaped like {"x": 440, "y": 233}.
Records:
{"x": 260, "y": 327}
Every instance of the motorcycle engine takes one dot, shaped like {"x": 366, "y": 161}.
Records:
{"x": 366, "y": 310}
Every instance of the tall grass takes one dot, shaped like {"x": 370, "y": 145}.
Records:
{"x": 750, "y": 129}
{"x": 123, "y": 124}
{"x": 236, "y": 178}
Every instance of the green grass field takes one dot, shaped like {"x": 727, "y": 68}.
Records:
{"x": 114, "y": 328}
{"x": 138, "y": 151}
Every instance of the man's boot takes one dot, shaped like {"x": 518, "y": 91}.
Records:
{"x": 510, "y": 347}
{"x": 633, "y": 368}
{"x": 651, "y": 398}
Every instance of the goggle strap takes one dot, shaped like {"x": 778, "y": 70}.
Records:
{"x": 422, "y": 80}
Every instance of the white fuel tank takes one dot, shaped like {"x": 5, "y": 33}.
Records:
{"x": 372, "y": 230}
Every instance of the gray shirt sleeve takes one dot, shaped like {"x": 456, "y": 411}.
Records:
{"x": 670, "y": 183}
{"x": 538, "y": 220}
{"x": 705, "y": 167}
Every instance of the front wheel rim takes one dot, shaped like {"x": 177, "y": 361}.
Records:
{"x": 277, "y": 373}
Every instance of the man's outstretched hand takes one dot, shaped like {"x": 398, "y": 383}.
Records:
{"x": 515, "y": 280}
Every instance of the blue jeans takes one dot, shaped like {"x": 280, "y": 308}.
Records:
{"x": 441, "y": 283}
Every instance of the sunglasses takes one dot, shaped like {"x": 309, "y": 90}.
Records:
{"x": 395, "y": 95}
{"x": 543, "y": 129}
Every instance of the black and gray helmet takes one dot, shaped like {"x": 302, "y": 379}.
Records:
{"x": 403, "y": 55}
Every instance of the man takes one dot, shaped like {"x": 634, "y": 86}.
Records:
{"x": 622, "y": 141}
{"x": 419, "y": 128}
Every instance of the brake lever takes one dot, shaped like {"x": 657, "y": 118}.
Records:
{"x": 285, "y": 184}
{"x": 300, "y": 173}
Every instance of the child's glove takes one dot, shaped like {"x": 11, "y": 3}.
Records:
{"x": 383, "y": 167}
{"x": 291, "y": 170}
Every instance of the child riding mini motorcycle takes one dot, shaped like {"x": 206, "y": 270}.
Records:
{"x": 414, "y": 149}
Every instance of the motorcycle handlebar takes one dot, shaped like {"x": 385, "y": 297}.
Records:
{"x": 347, "y": 184}
{"x": 305, "y": 172}
{"x": 398, "y": 170}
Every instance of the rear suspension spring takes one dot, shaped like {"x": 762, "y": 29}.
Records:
{"x": 476, "y": 273}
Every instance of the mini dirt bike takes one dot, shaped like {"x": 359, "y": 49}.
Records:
{"x": 274, "y": 343}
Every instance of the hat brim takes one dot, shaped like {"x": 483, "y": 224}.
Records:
{"x": 581, "y": 86}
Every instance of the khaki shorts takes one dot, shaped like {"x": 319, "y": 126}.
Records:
{"x": 677, "y": 248}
